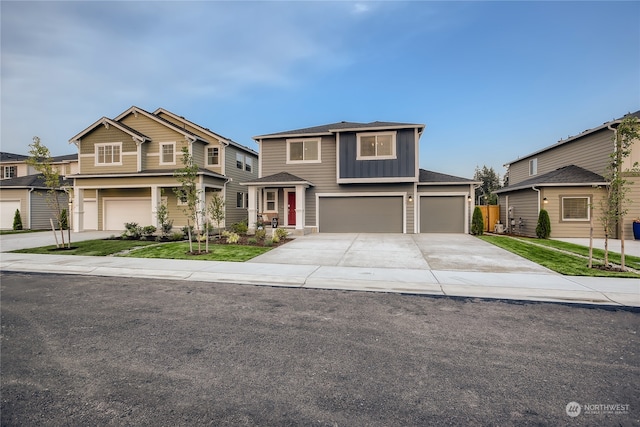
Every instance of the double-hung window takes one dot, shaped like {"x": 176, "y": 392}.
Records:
{"x": 109, "y": 154}
{"x": 303, "y": 151}
{"x": 248, "y": 164}
{"x": 271, "y": 201}
{"x": 376, "y": 146}
{"x": 168, "y": 153}
{"x": 240, "y": 160}
{"x": 533, "y": 167}
{"x": 240, "y": 200}
{"x": 213, "y": 156}
{"x": 576, "y": 208}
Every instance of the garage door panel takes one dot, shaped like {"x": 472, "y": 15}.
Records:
{"x": 366, "y": 214}
{"x": 120, "y": 211}
{"x": 442, "y": 214}
{"x": 7, "y": 212}
{"x": 90, "y": 215}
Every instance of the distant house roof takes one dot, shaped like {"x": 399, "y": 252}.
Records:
{"x": 614, "y": 122}
{"x": 31, "y": 181}
{"x": 431, "y": 177}
{"x": 11, "y": 157}
{"x": 563, "y": 177}
{"x": 65, "y": 158}
{"x": 340, "y": 127}
{"x": 280, "y": 178}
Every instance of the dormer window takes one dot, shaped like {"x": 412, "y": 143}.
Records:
{"x": 376, "y": 146}
{"x": 8, "y": 171}
{"x": 109, "y": 154}
{"x": 533, "y": 166}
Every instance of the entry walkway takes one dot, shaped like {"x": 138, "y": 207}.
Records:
{"x": 516, "y": 282}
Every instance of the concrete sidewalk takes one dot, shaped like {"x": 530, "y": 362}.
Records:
{"x": 529, "y": 285}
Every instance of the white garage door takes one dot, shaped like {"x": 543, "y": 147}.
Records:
{"x": 7, "y": 211}
{"x": 90, "y": 215}
{"x": 117, "y": 212}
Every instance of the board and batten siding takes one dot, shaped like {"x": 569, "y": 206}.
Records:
{"x": 590, "y": 153}
{"x": 322, "y": 175}
{"x": 404, "y": 165}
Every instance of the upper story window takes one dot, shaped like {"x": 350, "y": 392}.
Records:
{"x": 109, "y": 154}
{"x": 576, "y": 208}
{"x": 9, "y": 171}
{"x": 213, "y": 156}
{"x": 533, "y": 166}
{"x": 248, "y": 164}
{"x": 303, "y": 151}
{"x": 239, "y": 160}
{"x": 168, "y": 153}
{"x": 376, "y": 146}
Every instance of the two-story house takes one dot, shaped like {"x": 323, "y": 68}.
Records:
{"x": 23, "y": 189}
{"x": 355, "y": 177}
{"x": 566, "y": 179}
{"x": 127, "y": 166}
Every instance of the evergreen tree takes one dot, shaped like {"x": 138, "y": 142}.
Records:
{"x": 543, "y": 229}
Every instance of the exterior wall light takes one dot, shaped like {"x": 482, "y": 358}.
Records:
{"x": 410, "y": 199}
{"x": 545, "y": 200}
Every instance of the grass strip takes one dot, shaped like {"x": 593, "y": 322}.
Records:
{"x": 179, "y": 250}
{"x": 89, "y": 247}
{"x": 567, "y": 264}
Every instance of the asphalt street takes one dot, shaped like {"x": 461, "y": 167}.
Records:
{"x": 91, "y": 350}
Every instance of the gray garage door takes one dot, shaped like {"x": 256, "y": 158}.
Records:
{"x": 442, "y": 214}
{"x": 360, "y": 214}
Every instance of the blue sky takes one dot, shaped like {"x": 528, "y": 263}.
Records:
{"x": 491, "y": 80}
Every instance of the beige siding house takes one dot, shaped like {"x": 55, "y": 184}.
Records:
{"x": 354, "y": 177}
{"x": 127, "y": 166}
{"x": 567, "y": 180}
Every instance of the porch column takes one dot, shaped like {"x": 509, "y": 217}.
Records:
{"x": 156, "y": 198}
{"x": 300, "y": 206}
{"x": 78, "y": 209}
{"x": 252, "y": 210}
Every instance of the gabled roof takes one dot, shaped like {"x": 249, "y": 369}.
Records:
{"x": 280, "y": 178}
{"x": 173, "y": 126}
{"x": 567, "y": 176}
{"x": 587, "y": 132}
{"x": 223, "y": 139}
{"x": 431, "y": 177}
{"x": 332, "y": 128}
{"x": 31, "y": 181}
{"x": 108, "y": 122}
{"x": 11, "y": 157}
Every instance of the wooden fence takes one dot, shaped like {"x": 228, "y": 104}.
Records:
{"x": 491, "y": 215}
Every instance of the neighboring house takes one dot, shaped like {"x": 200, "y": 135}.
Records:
{"x": 127, "y": 167}
{"x": 29, "y": 195}
{"x": 22, "y": 188}
{"x": 355, "y": 177}
{"x": 566, "y": 179}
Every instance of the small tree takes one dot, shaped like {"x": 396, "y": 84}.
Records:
{"x": 40, "y": 159}
{"x": 490, "y": 183}
{"x": 17, "y": 221}
{"x": 189, "y": 194}
{"x": 477, "y": 222}
{"x": 614, "y": 205}
{"x": 543, "y": 229}
{"x": 216, "y": 210}
{"x": 166, "y": 224}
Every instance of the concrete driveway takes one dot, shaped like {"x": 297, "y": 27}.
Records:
{"x": 460, "y": 252}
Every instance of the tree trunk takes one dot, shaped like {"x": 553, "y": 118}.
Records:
{"x": 55, "y": 236}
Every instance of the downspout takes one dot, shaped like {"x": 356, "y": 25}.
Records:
{"x": 535, "y": 189}
{"x": 29, "y": 207}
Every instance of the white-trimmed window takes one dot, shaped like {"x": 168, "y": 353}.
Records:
{"x": 303, "y": 151}
{"x": 248, "y": 164}
{"x": 376, "y": 146}
{"x": 109, "y": 154}
{"x": 240, "y": 160}
{"x": 182, "y": 199}
{"x": 9, "y": 171}
{"x": 213, "y": 156}
{"x": 168, "y": 153}
{"x": 241, "y": 200}
{"x": 271, "y": 201}
{"x": 576, "y": 208}
{"x": 533, "y": 166}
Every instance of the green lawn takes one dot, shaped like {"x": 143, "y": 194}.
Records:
{"x": 90, "y": 247}
{"x": 567, "y": 264}
{"x": 217, "y": 252}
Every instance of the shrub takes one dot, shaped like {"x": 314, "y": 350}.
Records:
{"x": 64, "y": 219}
{"x": 147, "y": 231}
{"x": 165, "y": 223}
{"x": 176, "y": 236}
{"x": 132, "y": 230}
{"x": 261, "y": 234}
{"x": 186, "y": 229}
{"x": 268, "y": 242}
{"x": 240, "y": 227}
{"x": 543, "y": 229}
{"x": 275, "y": 238}
{"x": 477, "y": 222}
{"x": 17, "y": 220}
{"x": 282, "y": 233}
{"x": 233, "y": 238}
{"x": 252, "y": 241}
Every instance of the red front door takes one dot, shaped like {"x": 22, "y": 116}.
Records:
{"x": 291, "y": 201}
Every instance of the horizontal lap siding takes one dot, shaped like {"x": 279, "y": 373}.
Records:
{"x": 238, "y": 176}
{"x": 102, "y": 135}
{"x": 633, "y": 207}
{"x": 591, "y": 153}
{"x": 41, "y": 211}
{"x": 560, "y": 228}
{"x": 525, "y": 204}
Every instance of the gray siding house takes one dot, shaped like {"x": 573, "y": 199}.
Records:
{"x": 354, "y": 177}
{"x": 567, "y": 180}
